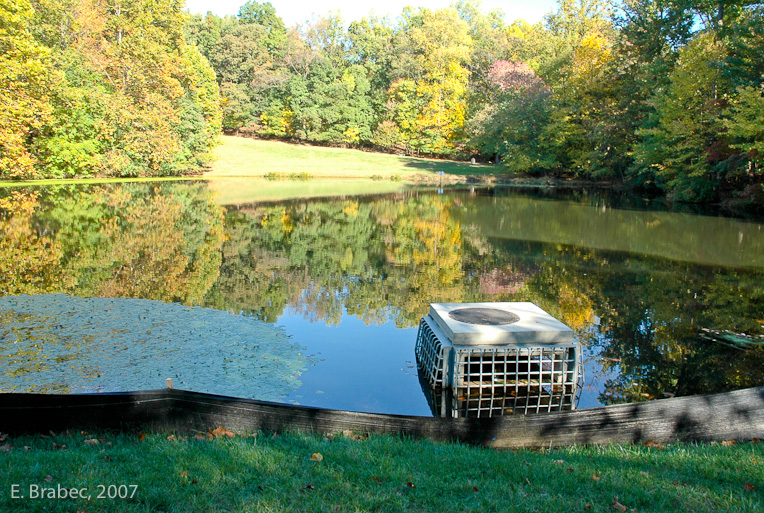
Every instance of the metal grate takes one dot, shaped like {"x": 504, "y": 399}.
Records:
{"x": 429, "y": 353}
{"x": 484, "y": 381}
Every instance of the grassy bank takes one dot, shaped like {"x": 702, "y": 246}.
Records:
{"x": 242, "y": 157}
{"x": 345, "y": 473}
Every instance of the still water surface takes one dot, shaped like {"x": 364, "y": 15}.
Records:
{"x": 317, "y": 301}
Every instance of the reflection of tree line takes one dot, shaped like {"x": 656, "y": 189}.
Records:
{"x": 388, "y": 259}
{"x": 382, "y": 260}
{"x": 144, "y": 241}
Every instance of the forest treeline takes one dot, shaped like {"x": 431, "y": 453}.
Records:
{"x": 102, "y": 87}
{"x": 663, "y": 94}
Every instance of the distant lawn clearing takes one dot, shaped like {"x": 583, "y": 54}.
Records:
{"x": 243, "y": 157}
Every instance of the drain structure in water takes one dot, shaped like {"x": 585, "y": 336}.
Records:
{"x": 488, "y": 359}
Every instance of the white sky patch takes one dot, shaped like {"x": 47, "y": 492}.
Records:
{"x": 298, "y": 11}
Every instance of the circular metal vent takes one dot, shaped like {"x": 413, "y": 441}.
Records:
{"x": 485, "y": 316}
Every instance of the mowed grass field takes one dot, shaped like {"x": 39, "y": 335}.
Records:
{"x": 244, "y": 157}
{"x": 346, "y": 473}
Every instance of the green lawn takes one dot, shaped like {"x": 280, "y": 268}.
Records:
{"x": 243, "y": 157}
{"x": 312, "y": 473}
{"x": 237, "y": 191}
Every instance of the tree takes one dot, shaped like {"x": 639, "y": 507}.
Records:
{"x": 24, "y": 100}
{"x": 684, "y": 148}
{"x": 264, "y": 14}
{"x": 514, "y": 127}
{"x": 430, "y": 109}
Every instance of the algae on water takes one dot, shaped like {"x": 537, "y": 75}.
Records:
{"x": 57, "y": 343}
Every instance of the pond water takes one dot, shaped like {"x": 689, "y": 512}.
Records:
{"x": 317, "y": 301}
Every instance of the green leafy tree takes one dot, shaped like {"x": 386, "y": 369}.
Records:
{"x": 684, "y": 146}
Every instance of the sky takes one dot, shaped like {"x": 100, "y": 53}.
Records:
{"x": 298, "y": 11}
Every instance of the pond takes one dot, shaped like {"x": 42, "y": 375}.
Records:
{"x": 228, "y": 289}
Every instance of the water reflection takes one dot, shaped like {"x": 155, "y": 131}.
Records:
{"x": 642, "y": 289}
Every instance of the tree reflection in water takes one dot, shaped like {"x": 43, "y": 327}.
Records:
{"x": 639, "y": 286}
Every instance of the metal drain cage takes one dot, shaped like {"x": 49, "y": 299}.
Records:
{"x": 484, "y": 381}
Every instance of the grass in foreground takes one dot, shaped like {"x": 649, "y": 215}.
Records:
{"x": 239, "y": 156}
{"x": 382, "y": 473}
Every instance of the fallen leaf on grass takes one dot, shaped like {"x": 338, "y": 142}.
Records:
{"x": 6, "y": 448}
{"x": 618, "y": 506}
{"x": 184, "y": 473}
{"x": 749, "y": 487}
{"x": 316, "y": 457}
{"x": 3, "y": 436}
{"x": 474, "y": 489}
{"x": 375, "y": 478}
{"x": 141, "y": 436}
{"x": 220, "y": 431}
{"x": 595, "y": 477}
{"x": 59, "y": 447}
{"x": 570, "y": 470}
{"x": 755, "y": 440}
{"x": 727, "y": 443}
{"x": 202, "y": 437}
{"x": 310, "y": 487}
{"x": 92, "y": 441}
{"x": 654, "y": 445}
{"x": 588, "y": 506}
{"x": 172, "y": 438}
{"x": 349, "y": 434}
{"x": 48, "y": 478}
{"x": 410, "y": 484}
{"x": 27, "y": 448}
{"x": 559, "y": 462}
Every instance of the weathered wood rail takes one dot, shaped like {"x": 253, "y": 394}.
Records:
{"x": 737, "y": 415}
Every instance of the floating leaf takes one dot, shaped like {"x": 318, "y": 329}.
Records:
{"x": 316, "y": 456}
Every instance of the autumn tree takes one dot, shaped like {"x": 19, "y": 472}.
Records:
{"x": 25, "y": 78}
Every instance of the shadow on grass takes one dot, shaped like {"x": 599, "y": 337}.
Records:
{"x": 451, "y": 167}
